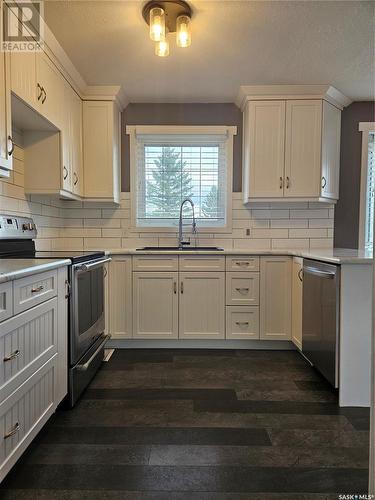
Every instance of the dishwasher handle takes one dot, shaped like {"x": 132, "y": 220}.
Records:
{"x": 317, "y": 272}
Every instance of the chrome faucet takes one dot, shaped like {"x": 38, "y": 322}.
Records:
{"x": 181, "y": 243}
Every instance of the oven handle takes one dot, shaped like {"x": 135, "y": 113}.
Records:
{"x": 85, "y": 367}
{"x": 88, "y": 267}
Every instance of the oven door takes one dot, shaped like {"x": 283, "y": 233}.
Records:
{"x": 87, "y": 320}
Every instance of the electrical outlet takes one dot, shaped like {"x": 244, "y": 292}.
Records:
{"x": 247, "y": 232}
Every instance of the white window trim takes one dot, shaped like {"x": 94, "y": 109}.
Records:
{"x": 364, "y": 127}
{"x": 134, "y": 130}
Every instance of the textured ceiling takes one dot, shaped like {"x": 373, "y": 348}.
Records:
{"x": 233, "y": 43}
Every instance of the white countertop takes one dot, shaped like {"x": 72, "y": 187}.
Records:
{"x": 13, "y": 269}
{"x": 334, "y": 256}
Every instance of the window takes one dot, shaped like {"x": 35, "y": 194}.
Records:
{"x": 366, "y": 235}
{"x": 169, "y": 164}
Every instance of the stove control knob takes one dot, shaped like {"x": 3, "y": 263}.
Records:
{"x": 28, "y": 227}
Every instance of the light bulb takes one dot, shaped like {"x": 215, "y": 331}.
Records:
{"x": 157, "y": 24}
{"x": 162, "y": 48}
{"x": 183, "y": 31}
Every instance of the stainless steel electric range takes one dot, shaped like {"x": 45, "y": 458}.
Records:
{"x": 86, "y": 274}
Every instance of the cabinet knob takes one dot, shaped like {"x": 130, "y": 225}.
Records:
{"x": 324, "y": 182}
{"x": 300, "y": 274}
{"x": 65, "y": 175}
{"x": 281, "y": 182}
{"x": 75, "y": 179}
{"x": 37, "y": 289}
{"x": 242, "y": 323}
{"x": 243, "y": 289}
{"x": 44, "y": 95}
{"x": 287, "y": 182}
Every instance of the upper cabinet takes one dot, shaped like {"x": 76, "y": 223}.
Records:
{"x": 101, "y": 155}
{"x": 264, "y": 138}
{"x": 291, "y": 144}
{"x": 6, "y": 143}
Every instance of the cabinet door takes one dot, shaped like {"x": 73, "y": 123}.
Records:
{"x": 119, "y": 315}
{"x": 6, "y": 146}
{"x": 76, "y": 143}
{"x": 297, "y": 268}
{"x": 303, "y": 148}
{"x": 331, "y": 151}
{"x": 23, "y": 77}
{"x": 98, "y": 149}
{"x": 155, "y": 305}
{"x": 202, "y": 305}
{"x": 53, "y": 90}
{"x": 275, "y": 298}
{"x": 242, "y": 322}
{"x": 242, "y": 288}
{"x": 264, "y": 149}
{"x": 66, "y": 133}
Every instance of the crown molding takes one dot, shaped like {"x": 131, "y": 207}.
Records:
{"x": 106, "y": 93}
{"x": 265, "y": 92}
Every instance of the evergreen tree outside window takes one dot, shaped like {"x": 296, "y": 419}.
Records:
{"x": 167, "y": 168}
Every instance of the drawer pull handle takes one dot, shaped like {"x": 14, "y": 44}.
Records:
{"x": 242, "y": 323}
{"x": 11, "y": 433}
{"x": 14, "y": 355}
{"x": 242, "y": 263}
{"x": 242, "y": 290}
{"x": 37, "y": 289}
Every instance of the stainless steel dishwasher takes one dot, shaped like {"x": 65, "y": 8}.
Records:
{"x": 321, "y": 317}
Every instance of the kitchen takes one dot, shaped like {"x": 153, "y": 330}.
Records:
{"x": 186, "y": 268}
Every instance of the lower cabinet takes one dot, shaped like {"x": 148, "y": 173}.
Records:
{"x": 242, "y": 322}
{"x": 155, "y": 305}
{"x": 202, "y": 305}
{"x": 23, "y": 414}
{"x": 275, "y": 297}
{"x": 119, "y": 298}
{"x": 297, "y": 268}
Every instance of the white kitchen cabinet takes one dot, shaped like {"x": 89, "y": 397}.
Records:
{"x": 330, "y": 151}
{"x": 242, "y": 322}
{"x": 50, "y": 90}
{"x": 119, "y": 321}
{"x": 275, "y": 298}
{"x": 291, "y": 150}
{"x": 71, "y": 138}
{"x": 155, "y": 305}
{"x": 101, "y": 155}
{"x": 264, "y": 138}
{"x": 303, "y": 148}
{"x": 6, "y": 300}
{"x": 6, "y": 143}
{"x": 297, "y": 268}
{"x": 202, "y": 305}
{"x": 23, "y": 77}
{"x": 242, "y": 288}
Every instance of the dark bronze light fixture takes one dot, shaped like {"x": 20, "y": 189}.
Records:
{"x": 168, "y": 16}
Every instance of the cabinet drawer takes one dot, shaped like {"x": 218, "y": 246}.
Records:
{"x": 155, "y": 263}
{"x": 242, "y": 289}
{"x": 6, "y": 300}
{"x": 27, "y": 341}
{"x": 24, "y": 413}
{"x": 242, "y": 322}
{"x": 242, "y": 263}
{"x": 202, "y": 263}
{"x": 32, "y": 290}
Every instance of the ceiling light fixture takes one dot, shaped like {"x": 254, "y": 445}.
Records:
{"x": 168, "y": 16}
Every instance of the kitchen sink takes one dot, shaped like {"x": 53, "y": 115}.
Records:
{"x": 183, "y": 249}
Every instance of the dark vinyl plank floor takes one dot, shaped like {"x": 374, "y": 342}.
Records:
{"x": 199, "y": 425}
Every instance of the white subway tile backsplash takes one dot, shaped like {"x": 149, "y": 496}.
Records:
{"x": 72, "y": 225}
